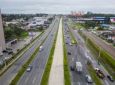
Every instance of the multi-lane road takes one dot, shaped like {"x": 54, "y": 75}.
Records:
{"x": 79, "y": 52}
{"x": 6, "y": 78}
{"x": 34, "y": 77}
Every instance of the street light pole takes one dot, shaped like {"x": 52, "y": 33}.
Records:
{"x": 99, "y": 54}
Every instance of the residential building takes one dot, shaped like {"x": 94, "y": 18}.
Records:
{"x": 2, "y": 39}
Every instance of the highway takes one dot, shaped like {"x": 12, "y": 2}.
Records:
{"x": 34, "y": 77}
{"x": 94, "y": 62}
{"x": 77, "y": 54}
{"x": 6, "y": 78}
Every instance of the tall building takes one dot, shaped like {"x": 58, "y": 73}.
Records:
{"x": 2, "y": 39}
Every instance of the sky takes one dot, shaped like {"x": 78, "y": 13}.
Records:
{"x": 57, "y": 6}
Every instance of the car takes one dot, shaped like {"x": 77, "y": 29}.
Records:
{"x": 68, "y": 37}
{"x": 70, "y": 44}
{"x": 99, "y": 73}
{"x": 8, "y": 48}
{"x": 10, "y": 52}
{"x": 41, "y": 48}
{"x": 29, "y": 68}
{"x": 69, "y": 53}
{"x": 4, "y": 51}
{"x": 66, "y": 42}
{"x": 72, "y": 68}
{"x": 51, "y": 34}
{"x": 89, "y": 79}
{"x": 110, "y": 78}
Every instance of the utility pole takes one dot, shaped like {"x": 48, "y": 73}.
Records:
{"x": 99, "y": 54}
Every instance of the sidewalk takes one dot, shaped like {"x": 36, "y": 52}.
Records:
{"x": 57, "y": 73}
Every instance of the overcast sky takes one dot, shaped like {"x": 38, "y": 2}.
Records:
{"x": 57, "y": 6}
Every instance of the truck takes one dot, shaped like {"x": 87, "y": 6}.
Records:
{"x": 99, "y": 73}
{"x": 78, "y": 66}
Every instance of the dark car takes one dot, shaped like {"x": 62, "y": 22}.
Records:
{"x": 69, "y": 53}
{"x": 66, "y": 42}
{"x": 5, "y": 51}
{"x": 10, "y": 52}
{"x": 8, "y": 48}
{"x": 72, "y": 68}
{"x": 110, "y": 78}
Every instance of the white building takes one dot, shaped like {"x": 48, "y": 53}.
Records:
{"x": 2, "y": 39}
{"x": 37, "y": 21}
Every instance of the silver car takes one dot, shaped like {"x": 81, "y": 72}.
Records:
{"x": 88, "y": 79}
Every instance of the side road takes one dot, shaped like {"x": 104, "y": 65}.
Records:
{"x": 57, "y": 73}
{"x": 110, "y": 49}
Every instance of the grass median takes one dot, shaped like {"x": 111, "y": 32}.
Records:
{"x": 105, "y": 58}
{"x": 73, "y": 40}
{"x": 46, "y": 73}
{"x": 11, "y": 61}
{"x": 67, "y": 80}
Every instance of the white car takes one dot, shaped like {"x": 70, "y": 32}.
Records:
{"x": 29, "y": 68}
{"x": 70, "y": 44}
{"x": 88, "y": 78}
{"x": 41, "y": 48}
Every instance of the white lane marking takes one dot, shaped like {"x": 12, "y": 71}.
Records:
{"x": 106, "y": 82}
{"x": 79, "y": 83}
{"x": 87, "y": 84}
{"x": 26, "y": 80}
{"x": 34, "y": 80}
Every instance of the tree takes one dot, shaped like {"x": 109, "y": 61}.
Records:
{"x": 14, "y": 31}
{"x": 90, "y": 24}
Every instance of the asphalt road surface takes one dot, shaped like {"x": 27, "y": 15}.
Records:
{"x": 94, "y": 62}
{"x": 35, "y": 75}
{"x": 77, "y": 54}
{"x": 6, "y": 78}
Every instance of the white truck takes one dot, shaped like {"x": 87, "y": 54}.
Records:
{"x": 78, "y": 66}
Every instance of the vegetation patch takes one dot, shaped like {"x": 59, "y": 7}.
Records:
{"x": 73, "y": 40}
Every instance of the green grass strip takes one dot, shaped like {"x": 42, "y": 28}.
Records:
{"x": 93, "y": 75}
{"x": 73, "y": 40}
{"x": 67, "y": 80}
{"x": 105, "y": 58}
{"x": 46, "y": 73}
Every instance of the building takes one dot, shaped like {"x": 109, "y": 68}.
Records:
{"x": 101, "y": 20}
{"x": 2, "y": 39}
{"x": 112, "y": 19}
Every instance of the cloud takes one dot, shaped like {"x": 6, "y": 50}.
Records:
{"x": 57, "y": 6}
